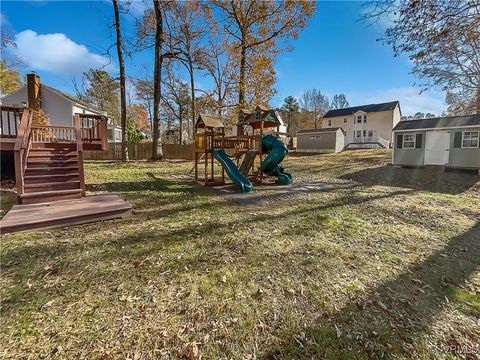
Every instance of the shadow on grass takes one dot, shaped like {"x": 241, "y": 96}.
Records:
{"x": 387, "y": 321}
{"x": 428, "y": 179}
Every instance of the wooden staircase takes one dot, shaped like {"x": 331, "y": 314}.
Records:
{"x": 52, "y": 173}
{"x": 49, "y": 159}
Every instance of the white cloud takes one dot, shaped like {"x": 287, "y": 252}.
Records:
{"x": 411, "y": 101}
{"x": 56, "y": 53}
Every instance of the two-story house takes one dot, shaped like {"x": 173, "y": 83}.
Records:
{"x": 365, "y": 126}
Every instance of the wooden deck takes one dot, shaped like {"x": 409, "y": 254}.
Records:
{"x": 64, "y": 213}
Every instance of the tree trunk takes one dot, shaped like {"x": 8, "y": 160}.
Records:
{"x": 157, "y": 78}
{"x": 241, "y": 79}
{"x": 192, "y": 89}
{"x": 180, "y": 127}
{"x": 123, "y": 102}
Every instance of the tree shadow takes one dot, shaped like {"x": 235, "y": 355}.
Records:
{"x": 427, "y": 179}
{"x": 387, "y": 320}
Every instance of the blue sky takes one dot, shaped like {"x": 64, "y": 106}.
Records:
{"x": 334, "y": 53}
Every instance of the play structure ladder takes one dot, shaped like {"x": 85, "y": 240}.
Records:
{"x": 247, "y": 162}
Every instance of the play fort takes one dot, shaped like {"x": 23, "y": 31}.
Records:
{"x": 251, "y": 156}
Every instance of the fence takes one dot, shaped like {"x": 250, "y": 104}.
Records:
{"x": 142, "y": 151}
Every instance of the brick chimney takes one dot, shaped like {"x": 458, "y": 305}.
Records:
{"x": 33, "y": 91}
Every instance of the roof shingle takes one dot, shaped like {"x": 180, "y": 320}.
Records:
{"x": 439, "y": 122}
{"x": 367, "y": 108}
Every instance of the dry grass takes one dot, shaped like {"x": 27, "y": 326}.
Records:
{"x": 377, "y": 262}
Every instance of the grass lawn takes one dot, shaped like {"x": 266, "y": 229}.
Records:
{"x": 359, "y": 260}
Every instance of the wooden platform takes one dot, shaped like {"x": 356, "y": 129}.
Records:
{"x": 64, "y": 212}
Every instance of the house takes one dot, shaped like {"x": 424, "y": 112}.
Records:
{"x": 58, "y": 106}
{"x": 325, "y": 140}
{"x": 270, "y": 117}
{"x": 447, "y": 141}
{"x": 365, "y": 126}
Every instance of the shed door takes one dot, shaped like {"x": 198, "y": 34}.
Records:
{"x": 437, "y": 146}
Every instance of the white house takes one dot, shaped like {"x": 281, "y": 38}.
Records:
{"x": 59, "y": 107}
{"x": 365, "y": 126}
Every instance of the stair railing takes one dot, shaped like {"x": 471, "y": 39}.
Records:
{"x": 93, "y": 129}
{"x": 78, "y": 132}
{"x": 21, "y": 149}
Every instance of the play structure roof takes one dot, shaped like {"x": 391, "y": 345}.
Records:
{"x": 270, "y": 118}
{"x": 209, "y": 121}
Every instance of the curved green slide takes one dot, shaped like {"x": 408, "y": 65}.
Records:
{"x": 276, "y": 150}
{"x": 241, "y": 182}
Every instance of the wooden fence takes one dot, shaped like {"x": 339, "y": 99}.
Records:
{"x": 142, "y": 151}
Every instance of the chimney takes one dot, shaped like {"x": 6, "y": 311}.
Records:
{"x": 33, "y": 91}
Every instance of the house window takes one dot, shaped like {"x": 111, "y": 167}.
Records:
{"x": 329, "y": 122}
{"x": 409, "y": 141}
{"x": 364, "y": 118}
{"x": 370, "y": 133}
{"x": 359, "y": 119}
{"x": 364, "y": 133}
{"x": 359, "y": 133}
{"x": 344, "y": 120}
{"x": 470, "y": 139}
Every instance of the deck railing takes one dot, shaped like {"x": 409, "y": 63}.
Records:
{"x": 370, "y": 139}
{"x": 53, "y": 134}
{"x": 93, "y": 129}
{"x": 22, "y": 146}
{"x": 10, "y": 117}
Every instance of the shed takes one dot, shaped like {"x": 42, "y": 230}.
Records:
{"x": 451, "y": 141}
{"x": 326, "y": 140}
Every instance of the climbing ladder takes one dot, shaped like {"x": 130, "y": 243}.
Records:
{"x": 248, "y": 161}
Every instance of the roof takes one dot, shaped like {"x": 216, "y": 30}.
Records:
{"x": 210, "y": 121}
{"x": 75, "y": 100}
{"x": 366, "y": 108}
{"x": 439, "y": 122}
{"x": 270, "y": 118}
{"x": 325, "y": 130}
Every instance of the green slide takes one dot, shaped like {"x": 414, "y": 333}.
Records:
{"x": 276, "y": 150}
{"x": 243, "y": 184}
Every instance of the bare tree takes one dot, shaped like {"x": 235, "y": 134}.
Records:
{"x": 316, "y": 103}
{"x": 442, "y": 39}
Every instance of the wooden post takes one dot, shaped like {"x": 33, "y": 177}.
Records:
{"x": 103, "y": 133}
{"x": 261, "y": 153}
{"x": 78, "y": 133}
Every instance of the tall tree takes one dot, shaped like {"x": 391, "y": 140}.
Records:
{"x": 442, "y": 39}
{"x": 339, "y": 102}
{"x": 102, "y": 92}
{"x": 123, "y": 101}
{"x": 290, "y": 105}
{"x": 261, "y": 25}
{"x": 316, "y": 103}
{"x": 189, "y": 27}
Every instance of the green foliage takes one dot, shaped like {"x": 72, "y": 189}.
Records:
{"x": 133, "y": 135}
{"x": 10, "y": 80}
{"x": 102, "y": 92}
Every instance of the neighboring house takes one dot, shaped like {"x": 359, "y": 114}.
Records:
{"x": 448, "y": 141}
{"x": 326, "y": 140}
{"x": 365, "y": 126}
{"x": 58, "y": 106}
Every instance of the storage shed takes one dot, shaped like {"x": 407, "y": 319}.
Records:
{"x": 326, "y": 140}
{"x": 447, "y": 141}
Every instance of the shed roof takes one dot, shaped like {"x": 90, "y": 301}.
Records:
{"x": 439, "y": 122}
{"x": 367, "y": 108}
{"x": 209, "y": 121}
{"x": 324, "y": 130}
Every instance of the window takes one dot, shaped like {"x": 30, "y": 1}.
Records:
{"x": 344, "y": 120}
{"x": 370, "y": 133}
{"x": 470, "y": 139}
{"x": 364, "y": 118}
{"x": 257, "y": 115}
{"x": 314, "y": 136}
{"x": 409, "y": 141}
{"x": 359, "y": 119}
{"x": 364, "y": 133}
{"x": 359, "y": 133}
{"x": 329, "y": 122}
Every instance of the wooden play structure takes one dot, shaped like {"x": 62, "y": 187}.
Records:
{"x": 245, "y": 149}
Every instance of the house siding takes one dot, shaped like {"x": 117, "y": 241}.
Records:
{"x": 323, "y": 143}
{"x": 468, "y": 158}
{"x": 409, "y": 157}
{"x": 458, "y": 157}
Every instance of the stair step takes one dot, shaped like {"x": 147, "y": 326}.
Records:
{"x": 50, "y": 163}
{"x": 52, "y": 156}
{"x": 47, "y": 196}
{"x": 40, "y": 179}
{"x": 51, "y": 186}
{"x": 51, "y": 170}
